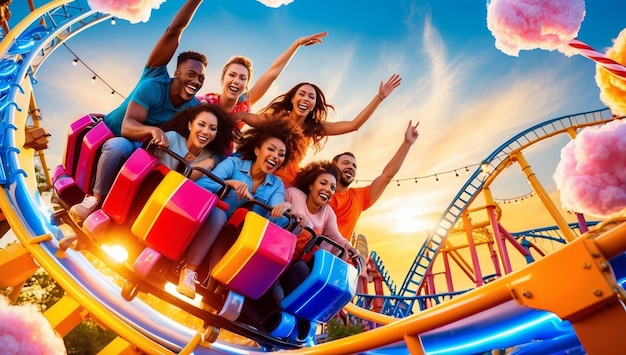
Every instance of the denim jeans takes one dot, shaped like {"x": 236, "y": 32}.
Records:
{"x": 205, "y": 236}
{"x": 115, "y": 152}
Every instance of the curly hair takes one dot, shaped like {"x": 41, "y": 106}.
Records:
{"x": 238, "y": 59}
{"x": 309, "y": 173}
{"x": 225, "y": 127}
{"x": 183, "y": 56}
{"x": 273, "y": 127}
{"x": 312, "y": 126}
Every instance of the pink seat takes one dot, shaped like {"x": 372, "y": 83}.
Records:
{"x": 254, "y": 262}
{"x": 75, "y": 136}
{"x": 173, "y": 214}
{"x": 127, "y": 183}
{"x": 89, "y": 154}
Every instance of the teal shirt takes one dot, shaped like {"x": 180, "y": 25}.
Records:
{"x": 152, "y": 93}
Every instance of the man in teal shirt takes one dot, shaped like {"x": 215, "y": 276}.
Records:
{"x": 154, "y": 100}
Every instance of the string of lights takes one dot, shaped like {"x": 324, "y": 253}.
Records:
{"x": 457, "y": 172}
{"x": 95, "y": 76}
{"x": 515, "y": 200}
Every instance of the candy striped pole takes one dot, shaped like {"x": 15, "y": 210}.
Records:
{"x": 602, "y": 60}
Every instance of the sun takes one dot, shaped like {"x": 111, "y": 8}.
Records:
{"x": 407, "y": 221}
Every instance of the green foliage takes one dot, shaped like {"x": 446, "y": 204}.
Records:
{"x": 42, "y": 182}
{"x": 87, "y": 338}
{"x": 43, "y": 291}
{"x": 337, "y": 329}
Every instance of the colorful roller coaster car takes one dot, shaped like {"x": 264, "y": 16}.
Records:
{"x": 152, "y": 213}
{"x": 316, "y": 286}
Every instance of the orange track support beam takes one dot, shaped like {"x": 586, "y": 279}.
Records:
{"x": 16, "y": 265}
{"x": 593, "y": 302}
{"x": 65, "y": 314}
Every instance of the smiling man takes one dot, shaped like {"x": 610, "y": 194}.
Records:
{"x": 349, "y": 203}
{"x": 153, "y": 101}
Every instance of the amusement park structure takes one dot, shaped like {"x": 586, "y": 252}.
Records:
{"x": 520, "y": 308}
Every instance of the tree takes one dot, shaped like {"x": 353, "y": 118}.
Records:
{"x": 337, "y": 329}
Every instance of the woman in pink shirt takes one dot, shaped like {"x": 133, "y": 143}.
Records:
{"x": 312, "y": 188}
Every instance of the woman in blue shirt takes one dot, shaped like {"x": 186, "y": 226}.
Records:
{"x": 262, "y": 150}
{"x": 250, "y": 175}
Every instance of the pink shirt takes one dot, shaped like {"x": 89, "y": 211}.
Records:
{"x": 323, "y": 222}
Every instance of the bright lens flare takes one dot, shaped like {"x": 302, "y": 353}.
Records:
{"x": 407, "y": 222}
{"x": 116, "y": 252}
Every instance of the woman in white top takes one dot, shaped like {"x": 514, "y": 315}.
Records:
{"x": 202, "y": 135}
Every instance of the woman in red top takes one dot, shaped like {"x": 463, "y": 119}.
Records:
{"x": 237, "y": 74}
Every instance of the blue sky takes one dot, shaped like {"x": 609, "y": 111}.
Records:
{"x": 468, "y": 96}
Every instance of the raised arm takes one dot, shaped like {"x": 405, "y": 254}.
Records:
{"x": 393, "y": 166}
{"x": 166, "y": 46}
{"x": 266, "y": 79}
{"x": 251, "y": 119}
{"x": 384, "y": 90}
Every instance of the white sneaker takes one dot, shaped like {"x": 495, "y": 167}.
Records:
{"x": 82, "y": 210}
{"x": 187, "y": 283}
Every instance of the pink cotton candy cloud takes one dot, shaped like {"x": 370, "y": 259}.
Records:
{"x": 612, "y": 87}
{"x": 23, "y": 330}
{"x": 591, "y": 175}
{"x": 530, "y": 24}
{"x": 132, "y": 10}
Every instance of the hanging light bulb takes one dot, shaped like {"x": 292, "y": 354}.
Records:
{"x": 112, "y": 93}
{"x": 436, "y": 178}
{"x": 456, "y": 173}
{"x": 93, "y": 79}
{"x": 398, "y": 182}
{"x": 484, "y": 167}
{"x": 113, "y": 22}
{"x": 75, "y": 62}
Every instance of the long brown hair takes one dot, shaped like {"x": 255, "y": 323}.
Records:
{"x": 312, "y": 126}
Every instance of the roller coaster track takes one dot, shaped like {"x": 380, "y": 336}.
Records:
{"x": 391, "y": 286}
{"x": 500, "y": 159}
{"x": 551, "y": 233}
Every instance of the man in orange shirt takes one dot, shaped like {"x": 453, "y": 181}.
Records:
{"x": 349, "y": 203}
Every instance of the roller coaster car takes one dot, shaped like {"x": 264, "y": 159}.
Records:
{"x": 153, "y": 212}
{"x": 317, "y": 285}
{"x": 74, "y": 177}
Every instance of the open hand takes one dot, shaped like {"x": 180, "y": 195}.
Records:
{"x": 387, "y": 88}
{"x": 313, "y": 39}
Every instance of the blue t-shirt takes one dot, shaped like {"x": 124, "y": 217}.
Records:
{"x": 152, "y": 92}
{"x": 271, "y": 192}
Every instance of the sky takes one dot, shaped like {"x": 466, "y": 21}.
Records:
{"x": 468, "y": 96}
